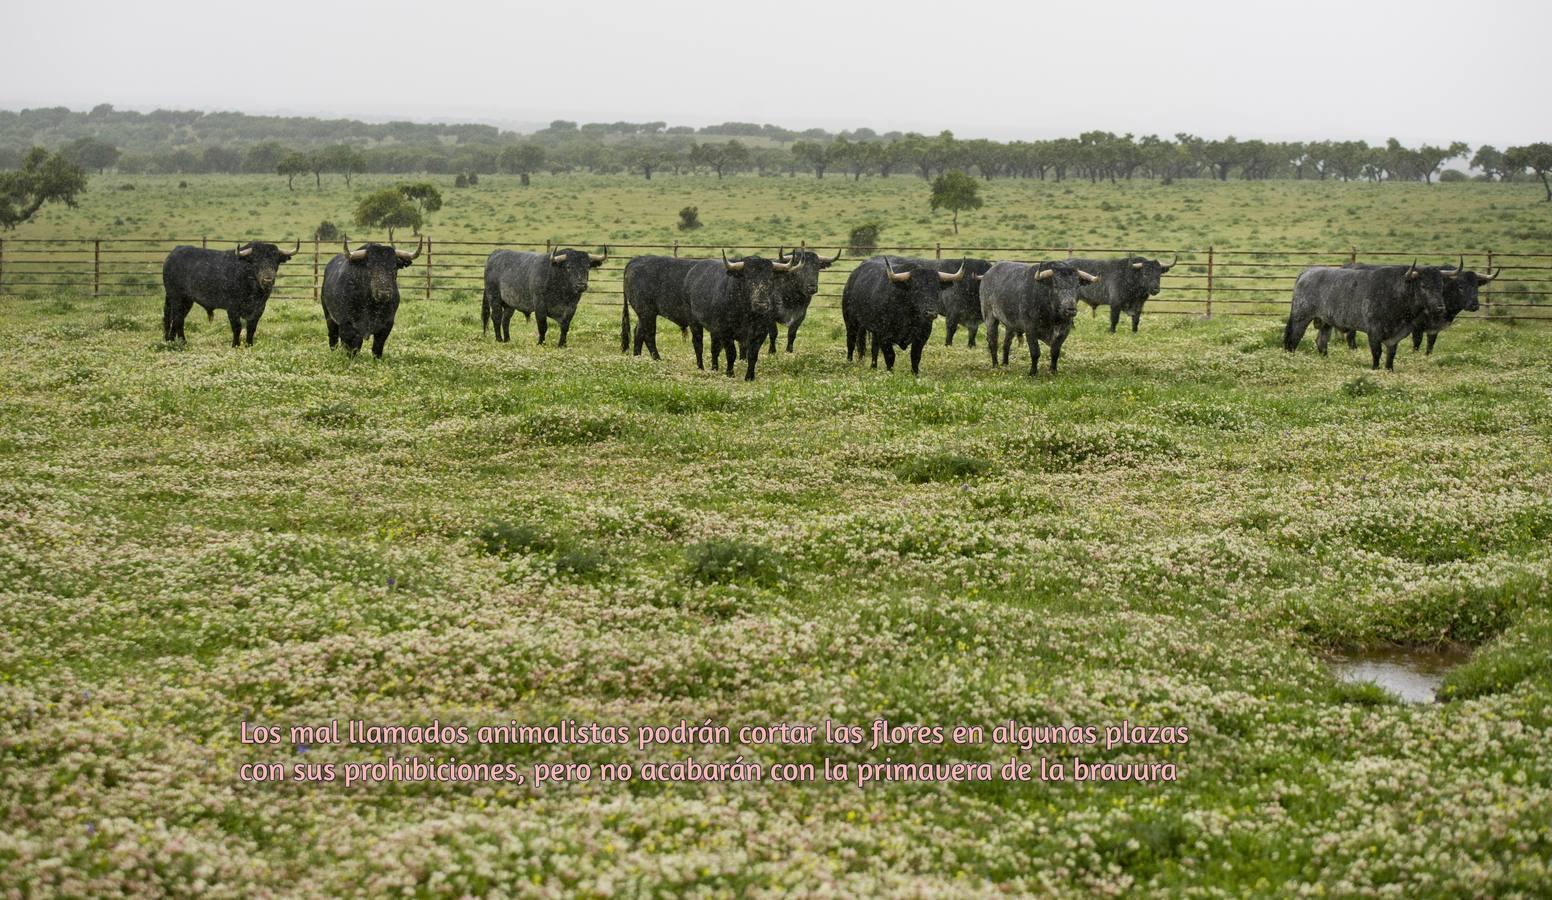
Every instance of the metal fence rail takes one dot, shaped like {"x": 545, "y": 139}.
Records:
{"x": 1205, "y": 281}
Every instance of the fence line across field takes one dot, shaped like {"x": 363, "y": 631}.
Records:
{"x": 1205, "y": 281}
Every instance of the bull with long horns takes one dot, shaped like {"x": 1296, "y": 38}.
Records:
{"x": 543, "y": 286}
{"x": 361, "y": 294}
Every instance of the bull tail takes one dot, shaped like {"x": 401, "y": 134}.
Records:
{"x": 210, "y": 314}
{"x": 485, "y": 310}
{"x": 624, "y": 323}
{"x": 1288, "y": 341}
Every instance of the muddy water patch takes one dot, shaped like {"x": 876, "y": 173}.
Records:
{"x": 1411, "y": 673}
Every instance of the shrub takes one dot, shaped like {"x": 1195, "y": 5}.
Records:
{"x": 726, "y": 561}
{"x": 328, "y": 231}
{"x": 509, "y": 538}
{"x": 689, "y": 218}
{"x": 863, "y": 240}
{"x": 941, "y": 467}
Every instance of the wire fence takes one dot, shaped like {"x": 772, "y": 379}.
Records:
{"x": 1211, "y": 281}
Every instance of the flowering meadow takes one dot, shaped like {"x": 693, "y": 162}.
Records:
{"x": 1177, "y": 530}
{"x": 1173, "y": 531}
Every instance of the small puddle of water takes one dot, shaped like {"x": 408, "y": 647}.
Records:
{"x": 1413, "y": 674}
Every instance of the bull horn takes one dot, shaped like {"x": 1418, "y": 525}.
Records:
{"x": 975, "y": 277}
{"x": 1481, "y": 279}
{"x": 1044, "y": 274}
{"x": 1171, "y": 264}
{"x": 1459, "y": 268}
{"x": 598, "y": 258}
{"x": 959, "y": 275}
{"x": 732, "y": 266}
{"x": 419, "y": 246}
{"x": 781, "y": 255}
{"x": 354, "y": 255}
{"x": 1412, "y": 272}
{"x": 831, "y": 261}
{"x": 558, "y": 257}
{"x": 893, "y": 275}
{"x": 286, "y": 256}
{"x": 245, "y": 249}
{"x": 1086, "y": 278}
{"x": 1138, "y": 265}
{"x": 783, "y": 266}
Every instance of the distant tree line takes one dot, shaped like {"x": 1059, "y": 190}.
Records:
{"x": 176, "y": 142}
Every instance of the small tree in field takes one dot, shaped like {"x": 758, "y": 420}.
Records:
{"x": 522, "y": 160}
{"x": 425, "y": 196}
{"x": 292, "y": 165}
{"x": 956, "y": 192}
{"x": 1536, "y": 157}
{"x": 689, "y": 218}
{"x": 43, "y": 177}
{"x": 387, "y": 209}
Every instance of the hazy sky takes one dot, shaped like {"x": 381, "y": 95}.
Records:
{"x": 1420, "y": 71}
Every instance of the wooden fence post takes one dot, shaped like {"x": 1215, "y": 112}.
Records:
{"x": 315, "y": 267}
{"x": 2, "y": 265}
{"x": 1487, "y": 298}
{"x": 428, "y": 268}
{"x": 204, "y": 243}
{"x": 1352, "y": 256}
{"x": 1209, "y": 280}
{"x": 96, "y": 268}
{"x": 676, "y": 249}
{"x": 939, "y": 248}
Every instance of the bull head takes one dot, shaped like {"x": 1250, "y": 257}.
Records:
{"x": 897, "y": 277}
{"x": 419, "y": 246}
{"x": 731, "y": 266}
{"x": 959, "y": 275}
{"x": 354, "y": 255}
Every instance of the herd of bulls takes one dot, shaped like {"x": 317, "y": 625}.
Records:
{"x": 739, "y": 303}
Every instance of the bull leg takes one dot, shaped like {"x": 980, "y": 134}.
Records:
{"x": 380, "y": 339}
{"x": 1374, "y": 349}
{"x": 716, "y": 352}
{"x": 1432, "y": 336}
{"x": 565, "y": 328}
{"x": 1417, "y": 339}
{"x": 730, "y": 350}
{"x": 1056, "y": 350}
{"x": 752, "y": 351}
{"x": 1115, "y": 318}
{"x": 889, "y": 354}
{"x": 1352, "y": 339}
{"x": 950, "y": 325}
{"x": 1390, "y": 356}
{"x": 1322, "y": 338}
{"x": 651, "y": 338}
{"x": 253, "y": 325}
{"x": 773, "y": 337}
{"x": 916, "y": 351}
{"x": 1034, "y": 357}
{"x": 485, "y": 310}
{"x": 974, "y": 327}
{"x": 792, "y": 336}
{"x": 174, "y": 315}
{"x": 875, "y": 348}
{"x": 235, "y": 321}
{"x": 991, "y": 340}
{"x": 333, "y": 331}
{"x": 544, "y": 326}
{"x": 695, "y": 338}
{"x": 352, "y": 342}
{"x": 1007, "y": 344}
{"x": 1135, "y": 317}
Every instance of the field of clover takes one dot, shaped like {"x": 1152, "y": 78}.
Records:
{"x": 1176, "y": 530}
